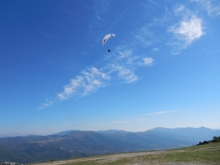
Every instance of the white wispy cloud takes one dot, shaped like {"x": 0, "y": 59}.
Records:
{"x": 71, "y": 87}
{"x": 97, "y": 11}
{"x": 125, "y": 54}
{"x": 148, "y": 61}
{"x": 88, "y": 81}
{"x": 211, "y": 6}
{"x": 179, "y": 9}
{"x": 187, "y": 31}
{"x": 162, "y": 112}
{"x": 99, "y": 8}
{"x": 144, "y": 35}
{"x": 124, "y": 73}
{"x": 47, "y": 103}
{"x": 156, "y": 113}
{"x": 125, "y": 63}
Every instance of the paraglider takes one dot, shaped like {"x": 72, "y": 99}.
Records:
{"x": 105, "y": 39}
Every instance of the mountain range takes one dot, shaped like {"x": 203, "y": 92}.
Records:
{"x": 72, "y": 143}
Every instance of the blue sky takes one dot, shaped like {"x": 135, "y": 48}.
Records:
{"x": 163, "y": 69}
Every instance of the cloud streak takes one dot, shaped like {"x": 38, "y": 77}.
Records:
{"x": 162, "y": 112}
{"x": 47, "y": 103}
{"x": 88, "y": 81}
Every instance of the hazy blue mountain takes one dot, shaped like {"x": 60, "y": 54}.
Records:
{"x": 67, "y": 144}
{"x": 194, "y": 134}
{"x": 10, "y": 135}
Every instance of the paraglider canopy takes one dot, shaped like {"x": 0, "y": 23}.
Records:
{"x": 105, "y": 39}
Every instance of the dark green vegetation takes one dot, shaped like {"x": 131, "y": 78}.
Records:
{"x": 69, "y": 144}
{"x": 215, "y": 139}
